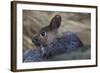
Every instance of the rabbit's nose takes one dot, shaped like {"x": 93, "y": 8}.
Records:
{"x": 36, "y": 41}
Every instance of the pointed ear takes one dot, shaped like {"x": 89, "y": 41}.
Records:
{"x": 55, "y": 22}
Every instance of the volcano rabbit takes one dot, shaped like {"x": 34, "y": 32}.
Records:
{"x": 48, "y": 35}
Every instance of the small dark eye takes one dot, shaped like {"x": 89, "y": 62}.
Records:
{"x": 43, "y": 33}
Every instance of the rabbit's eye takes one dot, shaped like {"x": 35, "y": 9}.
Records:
{"x": 43, "y": 34}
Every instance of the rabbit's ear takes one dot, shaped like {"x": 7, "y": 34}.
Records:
{"x": 55, "y": 22}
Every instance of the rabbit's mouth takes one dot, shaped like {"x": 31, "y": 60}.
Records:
{"x": 36, "y": 42}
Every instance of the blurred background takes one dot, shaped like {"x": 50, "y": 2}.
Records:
{"x": 33, "y": 21}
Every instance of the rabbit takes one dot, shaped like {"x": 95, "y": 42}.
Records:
{"x": 48, "y": 35}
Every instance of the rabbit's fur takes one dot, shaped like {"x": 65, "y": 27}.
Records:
{"x": 49, "y": 36}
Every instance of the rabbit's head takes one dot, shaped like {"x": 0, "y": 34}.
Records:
{"x": 48, "y": 33}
